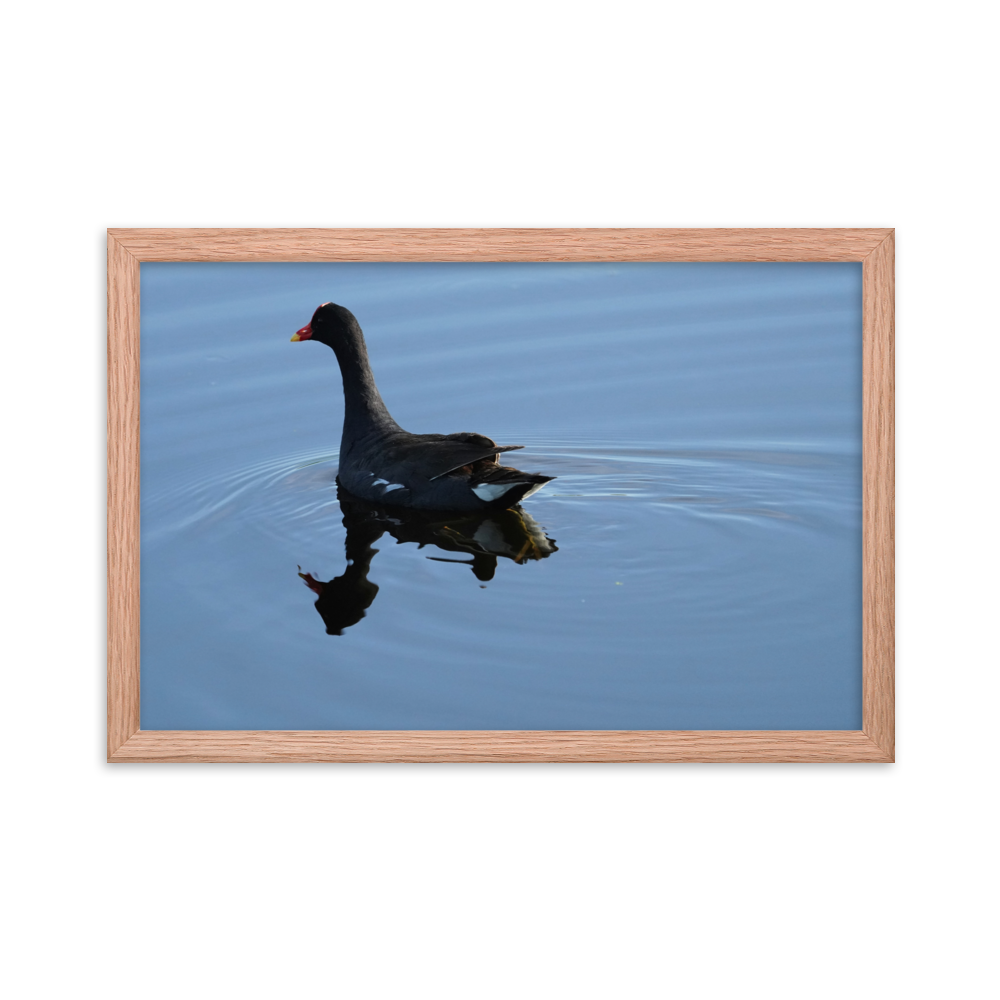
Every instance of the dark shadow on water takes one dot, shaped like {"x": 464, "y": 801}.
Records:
{"x": 486, "y": 537}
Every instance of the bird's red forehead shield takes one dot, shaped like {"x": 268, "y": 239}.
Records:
{"x": 304, "y": 334}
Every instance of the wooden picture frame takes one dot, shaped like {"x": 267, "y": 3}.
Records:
{"x": 128, "y": 248}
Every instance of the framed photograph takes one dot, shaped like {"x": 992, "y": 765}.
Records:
{"x": 500, "y": 495}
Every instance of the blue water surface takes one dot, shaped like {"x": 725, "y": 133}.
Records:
{"x": 695, "y": 565}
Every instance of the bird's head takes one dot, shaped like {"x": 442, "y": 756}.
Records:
{"x": 331, "y": 324}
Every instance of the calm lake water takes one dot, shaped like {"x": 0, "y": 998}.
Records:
{"x": 695, "y": 565}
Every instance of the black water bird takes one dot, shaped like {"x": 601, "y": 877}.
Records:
{"x": 382, "y": 463}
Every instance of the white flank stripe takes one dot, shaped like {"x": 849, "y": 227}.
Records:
{"x": 395, "y": 486}
{"x": 379, "y": 482}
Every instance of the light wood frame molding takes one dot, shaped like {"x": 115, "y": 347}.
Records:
{"x": 874, "y": 248}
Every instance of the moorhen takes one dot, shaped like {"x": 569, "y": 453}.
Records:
{"x": 382, "y": 463}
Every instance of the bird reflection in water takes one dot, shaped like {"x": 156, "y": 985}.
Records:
{"x": 484, "y": 535}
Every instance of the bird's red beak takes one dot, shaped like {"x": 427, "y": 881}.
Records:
{"x": 304, "y": 334}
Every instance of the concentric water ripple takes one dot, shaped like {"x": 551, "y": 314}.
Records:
{"x": 286, "y": 497}
{"x": 278, "y": 492}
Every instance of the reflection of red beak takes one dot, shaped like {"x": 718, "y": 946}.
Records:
{"x": 316, "y": 586}
{"x": 304, "y": 334}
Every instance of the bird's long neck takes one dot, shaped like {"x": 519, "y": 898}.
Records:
{"x": 364, "y": 410}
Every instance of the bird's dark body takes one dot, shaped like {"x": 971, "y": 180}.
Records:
{"x": 382, "y": 463}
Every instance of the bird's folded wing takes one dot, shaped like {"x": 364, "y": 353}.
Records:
{"x": 435, "y": 455}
